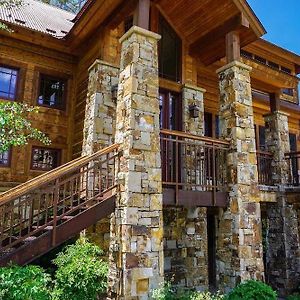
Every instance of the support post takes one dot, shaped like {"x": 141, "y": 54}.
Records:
{"x": 239, "y": 245}
{"x": 282, "y": 255}
{"x": 136, "y": 249}
{"x": 233, "y": 46}
{"x": 142, "y": 14}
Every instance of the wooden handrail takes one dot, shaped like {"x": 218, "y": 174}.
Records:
{"x": 264, "y": 153}
{"x": 53, "y": 174}
{"x": 292, "y": 153}
{"x": 193, "y": 137}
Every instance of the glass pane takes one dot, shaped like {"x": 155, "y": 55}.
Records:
{"x": 45, "y": 159}
{"x": 51, "y": 92}
{"x": 169, "y": 52}
{"x": 8, "y": 83}
{"x": 4, "y": 158}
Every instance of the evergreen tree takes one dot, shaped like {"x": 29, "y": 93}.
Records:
{"x": 73, "y": 6}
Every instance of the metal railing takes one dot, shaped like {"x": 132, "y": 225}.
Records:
{"x": 44, "y": 202}
{"x": 293, "y": 159}
{"x": 264, "y": 167}
{"x": 192, "y": 162}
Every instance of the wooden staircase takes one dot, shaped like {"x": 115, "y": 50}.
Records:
{"x": 44, "y": 212}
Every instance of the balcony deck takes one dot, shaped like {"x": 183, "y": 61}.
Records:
{"x": 193, "y": 170}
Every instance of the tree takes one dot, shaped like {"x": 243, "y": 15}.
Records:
{"x": 73, "y": 6}
{"x": 9, "y": 4}
{"x": 15, "y": 127}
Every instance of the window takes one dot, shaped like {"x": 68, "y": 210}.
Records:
{"x": 8, "y": 83}
{"x": 260, "y": 137}
{"x": 169, "y": 52}
{"x": 45, "y": 159}
{"x": 52, "y": 92}
{"x": 260, "y": 59}
{"x": 5, "y": 158}
{"x": 128, "y": 23}
{"x": 288, "y": 91}
{"x": 286, "y": 70}
{"x": 246, "y": 54}
{"x": 208, "y": 131}
{"x": 273, "y": 65}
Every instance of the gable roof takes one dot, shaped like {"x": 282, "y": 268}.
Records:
{"x": 40, "y": 17}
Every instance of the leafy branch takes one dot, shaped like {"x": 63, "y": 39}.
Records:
{"x": 15, "y": 128}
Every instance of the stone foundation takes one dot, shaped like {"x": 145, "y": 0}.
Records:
{"x": 185, "y": 247}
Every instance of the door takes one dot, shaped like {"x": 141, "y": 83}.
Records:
{"x": 170, "y": 118}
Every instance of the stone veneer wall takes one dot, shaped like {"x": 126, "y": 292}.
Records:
{"x": 239, "y": 245}
{"x": 136, "y": 250}
{"x": 283, "y": 255}
{"x": 185, "y": 247}
{"x": 185, "y": 230}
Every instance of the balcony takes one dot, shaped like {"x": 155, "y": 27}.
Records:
{"x": 193, "y": 170}
{"x": 293, "y": 162}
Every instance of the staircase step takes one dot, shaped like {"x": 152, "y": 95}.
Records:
{"x": 30, "y": 239}
{"x": 45, "y": 228}
{"x": 66, "y": 218}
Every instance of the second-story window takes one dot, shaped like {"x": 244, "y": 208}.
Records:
{"x": 5, "y": 158}
{"x": 52, "y": 92}
{"x": 169, "y": 52}
{"x": 8, "y": 83}
{"x": 45, "y": 159}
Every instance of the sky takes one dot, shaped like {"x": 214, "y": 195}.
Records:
{"x": 281, "y": 20}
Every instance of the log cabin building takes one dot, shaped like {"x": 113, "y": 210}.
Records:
{"x": 175, "y": 130}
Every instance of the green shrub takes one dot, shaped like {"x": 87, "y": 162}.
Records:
{"x": 293, "y": 297}
{"x": 252, "y": 290}
{"x": 81, "y": 274}
{"x": 167, "y": 292}
{"x": 24, "y": 283}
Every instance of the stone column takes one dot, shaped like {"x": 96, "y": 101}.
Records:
{"x": 282, "y": 257}
{"x": 239, "y": 245}
{"x": 136, "y": 251}
{"x": 193, "y": 95}
{"x": 100, "y": 111}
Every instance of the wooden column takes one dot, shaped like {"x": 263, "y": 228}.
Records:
{"x": 233, "y": 47}
{"x": 275, "y": 102}
{"x": 142, "y": 14}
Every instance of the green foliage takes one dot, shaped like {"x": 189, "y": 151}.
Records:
{"x": 24, "y": 283}
{"x": 252, "y": 290}
{"x": 293, "y": 297}
{"x": 81, "y": 274}
{"x": 167, "y": 292}
{"x": 15, "y": 128}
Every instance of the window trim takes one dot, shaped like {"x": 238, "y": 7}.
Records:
{"x": 16, "y": 94}
{"x": 59, "y": 158}
{"x": 8, "y": 165}
{"x": 63, "y": 107}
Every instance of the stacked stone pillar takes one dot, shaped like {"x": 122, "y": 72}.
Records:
{"x": 136, "y": 250}
{"x": 239, "y": 245}
{"x": 282, "y": 257}
{"x": 100, "y": 110}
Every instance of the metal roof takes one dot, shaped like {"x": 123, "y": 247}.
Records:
{"x": 39, "y": 16}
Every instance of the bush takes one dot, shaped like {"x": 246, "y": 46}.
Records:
{"x": 252, "y": 290}
{"x": 294, "y": 297}
{"x": 24, "y": 283}
{"x": 81, "y": 274}
{"x": 167, "y": 292}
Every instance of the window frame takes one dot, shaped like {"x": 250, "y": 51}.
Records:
{"x": 8, "y": 165}
{"x": 59, "y": 158}
{"x": 65, "y": 94}
{"x": 16, "y": 92}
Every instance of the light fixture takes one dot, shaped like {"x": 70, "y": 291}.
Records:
{"x": 194, "y": 111}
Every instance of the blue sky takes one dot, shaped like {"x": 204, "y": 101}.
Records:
{"x": 281, "y": 20}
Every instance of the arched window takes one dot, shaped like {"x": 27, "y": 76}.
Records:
{"x": 169, "y": 52}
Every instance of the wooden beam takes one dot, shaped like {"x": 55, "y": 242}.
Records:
{"x": 233, "y": 46}
{"x": 142, "y": 14}
{"x": 235, "y": 23}
{"x": 275, "y": 102}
